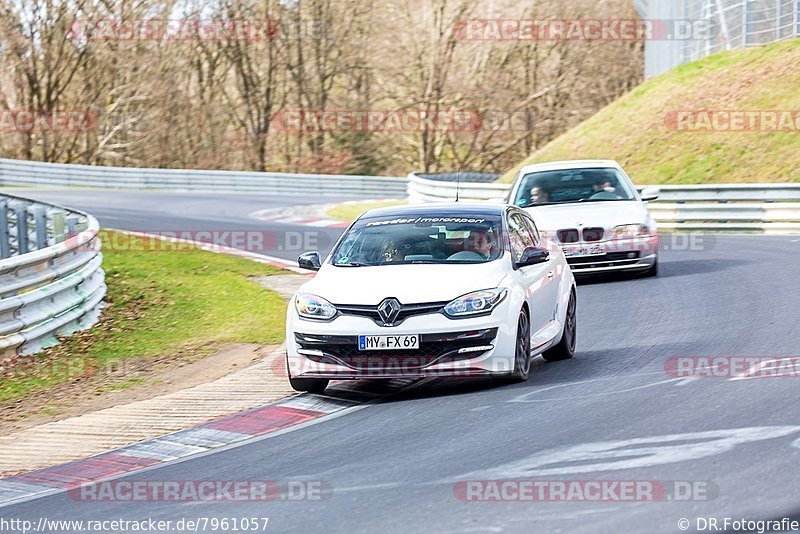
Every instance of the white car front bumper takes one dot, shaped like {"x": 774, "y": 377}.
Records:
{"x": 448, "y": 347}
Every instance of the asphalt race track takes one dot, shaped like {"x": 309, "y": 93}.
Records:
{"x": 181, "y": 212}
{"x": 612, "y": 413}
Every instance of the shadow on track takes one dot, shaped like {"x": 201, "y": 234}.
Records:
{"x": 673, "y": 269}
{"x": 585, "y": 366}
{"x": 668, "y": 269}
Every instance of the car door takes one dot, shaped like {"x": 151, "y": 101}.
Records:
{"x": 537, "y": 279}
{"x": 554, "y": 279}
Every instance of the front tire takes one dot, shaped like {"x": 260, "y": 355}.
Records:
{"x": 309, "y": 385}
{"x": 522, "y": 350}
{"x": 652, "y": 271}
{"x": 566, "y": 347}
{"x": 522, "y": 354}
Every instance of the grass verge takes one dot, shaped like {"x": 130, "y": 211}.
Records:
{"x": 165, "y": 301}
{"x": 348, "y": 211}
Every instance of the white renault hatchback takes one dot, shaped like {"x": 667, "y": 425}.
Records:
{"x": 436, "y": 290}
{"x": 593, "y": 212}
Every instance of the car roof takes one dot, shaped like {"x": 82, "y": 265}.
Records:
{"x": 571, "y": 164}
{"x": 448, "y": 209}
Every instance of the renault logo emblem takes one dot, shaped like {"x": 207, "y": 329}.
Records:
{"x": 388, "y": 310}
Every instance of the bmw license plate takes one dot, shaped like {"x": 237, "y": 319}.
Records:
{"x": 584, "y": 250}
{"x": 388, "y": 342}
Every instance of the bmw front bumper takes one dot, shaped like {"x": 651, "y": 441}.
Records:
{"x": 635, "y": 254}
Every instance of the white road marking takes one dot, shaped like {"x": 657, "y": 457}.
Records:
{"x": 687, "y": 380}
{"x": 525, "y": 397}
{"x": 370, "y": 487}
{"x": 631, "y": 453}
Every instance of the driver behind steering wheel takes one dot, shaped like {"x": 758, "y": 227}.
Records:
{"x": 480, "y": 242}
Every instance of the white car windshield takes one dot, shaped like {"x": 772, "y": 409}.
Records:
{"x": 448, "y": 239}
{"x": 573, "y": 185}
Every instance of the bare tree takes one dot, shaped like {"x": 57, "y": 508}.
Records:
{"x": 213, "y": 103}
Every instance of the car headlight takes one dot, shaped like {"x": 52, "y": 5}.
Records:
{"x": 475, "y": 303}
{"x": 313, "y": 307}
{"x": 630, "y": 230}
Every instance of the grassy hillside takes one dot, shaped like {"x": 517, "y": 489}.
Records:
{"x": 633, "y": 130}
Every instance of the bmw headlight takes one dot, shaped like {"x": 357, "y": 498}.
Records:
{"x": 475, "y": 303}
{"x": 313, "y": 307}
{"x": 630, "y": 230}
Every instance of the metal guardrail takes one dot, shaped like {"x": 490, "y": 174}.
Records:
{"x": 34, "y": 173}
{"x": 710, "y": 26}
{"x": 767, "y": 208}
{"x": 51, "y": 277}
{"x": 423, "y": 189}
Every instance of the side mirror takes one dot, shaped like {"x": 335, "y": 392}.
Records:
{"x": 310, "y": 261}
{"x": 650, "y": 193}
{"x": 533, "y": 256}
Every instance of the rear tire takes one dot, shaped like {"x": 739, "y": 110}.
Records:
{"x": 309, "y": 385}
{"x": 565, "y": 349}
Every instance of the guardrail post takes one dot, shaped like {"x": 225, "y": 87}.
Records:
{"x": 796, "y": 19}
{"x": 21, "y": 211}
{"x": 5, "y": 249}
{"x": 72, "y": 226}
{"x": 40, "y": 220}
{"x": 744, "y": 22}
{"x": 57, "y": 217}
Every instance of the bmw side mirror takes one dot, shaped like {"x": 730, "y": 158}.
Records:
{"x": 310, "y": 261}
{"x": 650, "y": 193}
{"x": 533, "y": 256}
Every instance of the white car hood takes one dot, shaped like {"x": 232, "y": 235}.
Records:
{"x": 410, "y": 284}
{"x": 589, "y": 214}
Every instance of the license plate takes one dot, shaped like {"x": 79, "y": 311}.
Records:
{"x": 388, "y": 342}
{"x": 584, "y": 250}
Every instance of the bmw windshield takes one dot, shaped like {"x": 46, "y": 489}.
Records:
{"x": 573, "y": 185}
{"x": 397, "y": 240}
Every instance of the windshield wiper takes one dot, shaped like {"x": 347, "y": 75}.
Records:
{"x": 602, "y": 199}
{"x": 352, "y": 264}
